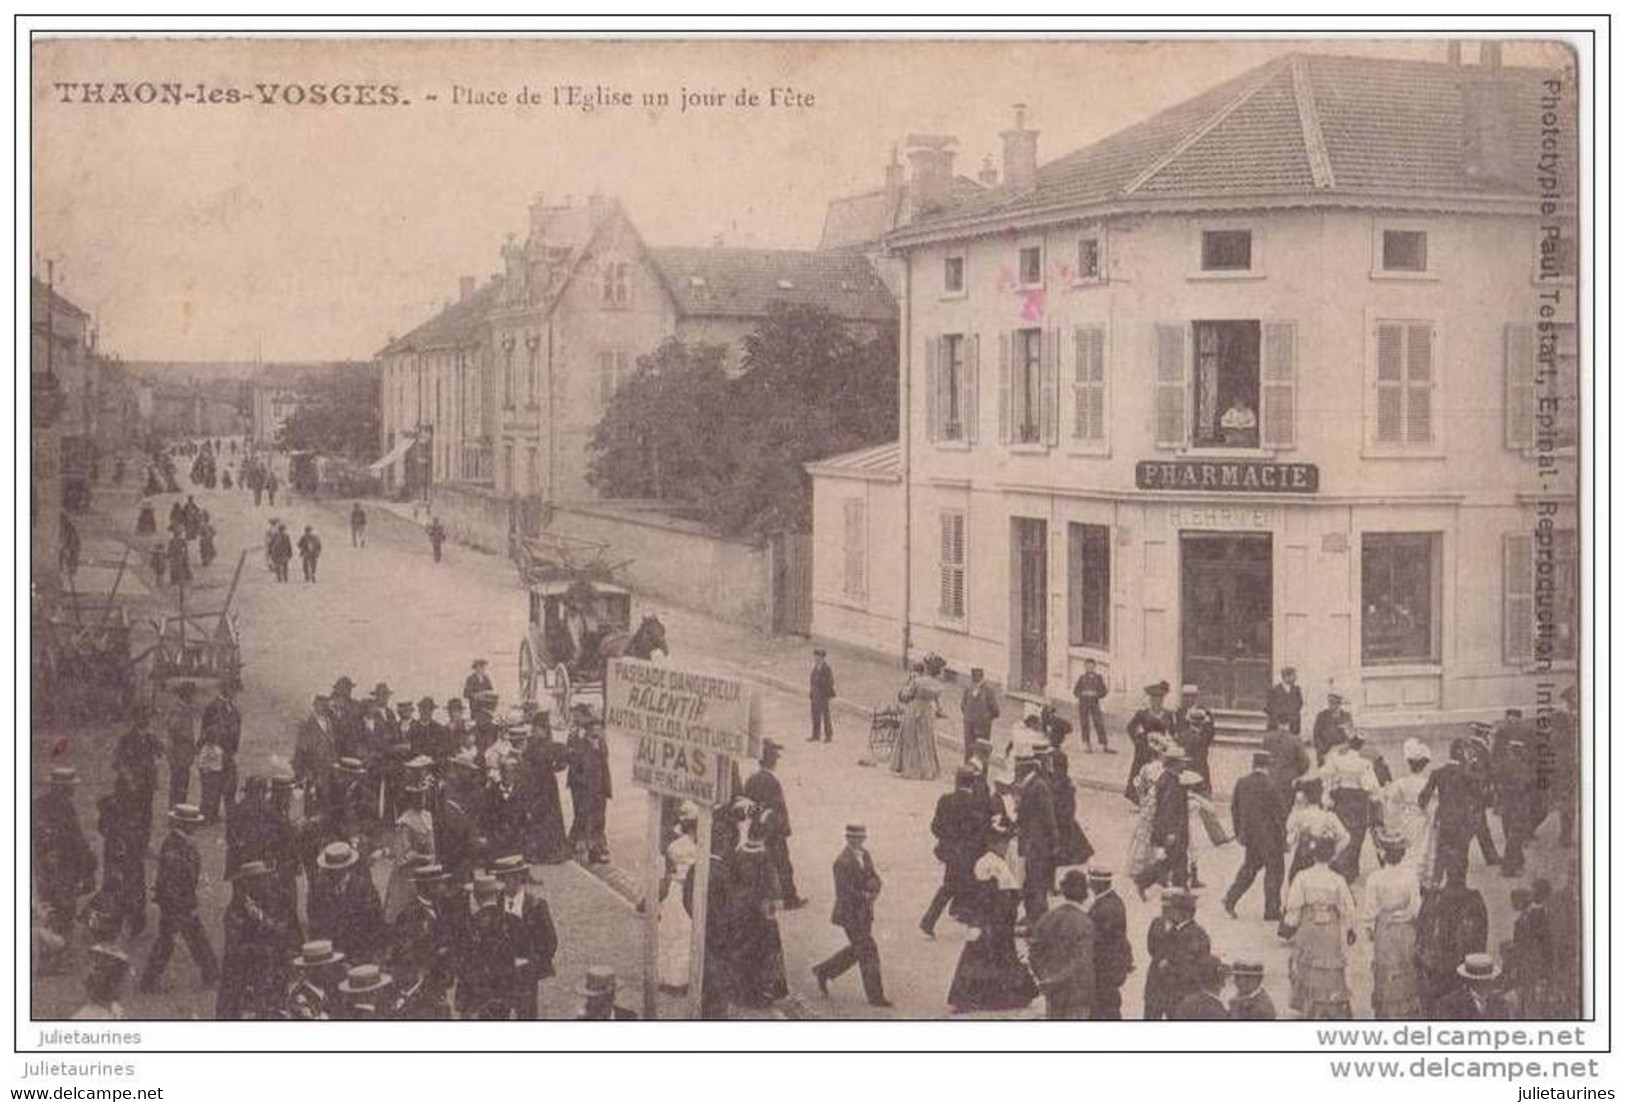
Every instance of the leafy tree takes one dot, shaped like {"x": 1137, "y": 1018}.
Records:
{"x": 337, "y": 414}
{"x": 730, "y": 450}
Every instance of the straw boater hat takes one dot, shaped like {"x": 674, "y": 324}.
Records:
{"x": 365, "y": 978}
{"x": 599, "y": 980}
{"x": 250, "y": 870}
{"x": 105, "y": 955}
{"x": 1242, "y": 968}
{"x": 314, "y": 954}
{"x": 430, "y": 872}
{"x": 64, "y": 775}
{"x": 1099, "y": 875}
{"x": 1478, "y": 967}
{"x": 511, "y": 865}
{"x": 186, "y": 815}
{"x": 351, "y": 765}
{"x": 856, "y": 830}
{"x": 338, "y": 855}
{"x": 1190, "y": 778}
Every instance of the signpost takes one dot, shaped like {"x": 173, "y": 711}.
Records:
{"x": 690, "y": 727}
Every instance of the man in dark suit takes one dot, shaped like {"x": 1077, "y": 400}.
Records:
{"x": 590, "y": 790}
{"x": 764, "y": 788}
{"x": 537, "y": 938}
{"x": 1476, "y": 999}
{"x": 487, "y": 976}
{"x": 1114, "y": 955}
{"x": 1194, "y": 729}
{"x": 343, "y": 905}
{"x": 1289, "y": 760}
{"x": 978, "y": 707}
{"x": 1331, "y": 726}
{"x": 960, "y": 827}
{"x": 1063, "y": 952}
{"x": 821, "y": 690}
{"x": 1204, "y": 1004}
{"x": 64, "y": 864}
{"x": 179, "y": 868}
{"x": 223, "y": 727}
{"x": 1038, "y": 836}
{"x": 1283, "y": 704}
{"x": 1170, "y": 827}
{"x": 1258, "y": 814}
{"x": 856, "y": 887}
{"x": 1089, "y": 690}
{"x": 1178, "y": 948}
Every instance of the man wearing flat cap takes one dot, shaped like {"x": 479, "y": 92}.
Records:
{"x": 820, "y": 691}
{"x": 764, "y": 788}
{"x": 64, "y": 864}
{"x": 857, "y": 886}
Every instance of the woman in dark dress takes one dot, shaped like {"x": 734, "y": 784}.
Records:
{"x": 754, "y": 932}
{"x": 543, "y": 759}
{"x": 991, "y": 976}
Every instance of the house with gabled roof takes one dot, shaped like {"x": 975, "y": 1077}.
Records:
{"x": 1287, "y": 374}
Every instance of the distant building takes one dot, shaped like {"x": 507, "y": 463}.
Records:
{"x": 1261, "y": 380}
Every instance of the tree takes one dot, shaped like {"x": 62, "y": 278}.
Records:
{"x": 731, "y": 450}
{"x": 335, "y": 415}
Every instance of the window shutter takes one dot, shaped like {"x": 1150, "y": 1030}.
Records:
{"x": 1280, "y": 384}
{"x": 1390, "y": 382}
{"x": 1004, "y": 388}
{"x": 1089, "y": 384}
{"x": 1519, "y": 349}
{"x": 1170, "y": 396}
{"x": 852, "y": 534}
{"x": 1518, "y": 604}
{"x": 946, "y": 560}
{"x": 933, "y": 416}
{"x": 1052, "y": 387}
{"x": 1419, "y": 384}
{"x": 972, "y": 388}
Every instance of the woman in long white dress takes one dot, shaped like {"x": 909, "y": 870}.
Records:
{"x": 676, "y": 925}
{"x": 1392, "y": 901}
{"x": 1404, "y": 815}
{"x": 412, "y": 846}
{"x": 1141, "y": 850}
{"x": 916, "y": 754}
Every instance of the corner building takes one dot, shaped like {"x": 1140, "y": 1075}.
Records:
{"x": 1262, "y": 380}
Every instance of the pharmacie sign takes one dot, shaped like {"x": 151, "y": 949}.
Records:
{"x": 690, "y": 726}
{"x": 1241, "y": 476}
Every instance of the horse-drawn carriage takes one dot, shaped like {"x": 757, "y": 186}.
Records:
{"x": 580, "y": 617}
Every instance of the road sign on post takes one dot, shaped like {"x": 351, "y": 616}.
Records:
{"x": 691, "y": 727}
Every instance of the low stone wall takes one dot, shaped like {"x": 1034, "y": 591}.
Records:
{"x": 472, "y": 515}
{"x": 674, "y": 560}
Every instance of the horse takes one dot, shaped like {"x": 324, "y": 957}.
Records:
{"x": 649, "y": 637}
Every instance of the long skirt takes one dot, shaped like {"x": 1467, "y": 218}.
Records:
{"x": 1317, "y": 967}
{"x": 916, "y": 753}
{"x": 674, "y": 946}
{"x": 1140, "y": 848}
{"x": 759, "y": 960}
{"x": 1393, "y": 971}
{"x": 990, "y": 974}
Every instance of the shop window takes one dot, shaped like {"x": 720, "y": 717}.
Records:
{"x": 1224, "y": 400}
{"x": 953, "y": 275}
{"x": 854, "y": 545}
{"x": 1399, "y": 598}
{"x": 1227, "y": 250}
{"x": 1089, "y": 567}
{"x": 951, "y": 604}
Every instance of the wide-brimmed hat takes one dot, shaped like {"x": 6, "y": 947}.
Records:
{"x": 1390, "y": 840}
{"x": 1179, "y": 897}
{"x": 343, "y": 684}
{"x": 1190, "y": 778}
{"x": 404, "y": 705}
{"x": 430, "y": 872}
{"x": 485, "y": 884}
{"x": 1263, "y": 759}
{"x": 381, "y": 691}
{"x": 420, "y": 761}
{"x": 455, "y": 704}
{"x": 249, "y": 870}
{"x": 1478, "y": 967}
{"x": 1190, "y": 688}
{"x": 364, "y": 978}
{"x": 427, "y": 704}
{"x": 186, "y": 815}
{"x": 350, "y": 765}
{"x": 478, "y": 662}
{"x": 338, "y": 855}
{"x": 1242, "y": 968}
{"x": 1157, "y": 688}
{"x": 511, "y": 865}
{"x": 314, "y": 954}
{"x": 599, "y": 980}
{"x": 856, "y": 830}
{"x": 1172, "y": 749}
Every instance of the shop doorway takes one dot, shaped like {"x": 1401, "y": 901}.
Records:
{"x": 1226, "y": 614}
{"x": 1030, "y": 593}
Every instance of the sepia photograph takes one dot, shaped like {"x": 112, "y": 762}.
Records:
{"x": 807, "y": 530}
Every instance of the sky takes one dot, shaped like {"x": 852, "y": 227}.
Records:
{"x": 217, "y": 231}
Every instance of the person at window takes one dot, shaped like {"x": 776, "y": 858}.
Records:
{"x": 1238, "y": 416}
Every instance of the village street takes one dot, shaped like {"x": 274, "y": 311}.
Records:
{"x": 389, "y": 612}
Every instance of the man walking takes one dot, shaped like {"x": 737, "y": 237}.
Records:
{"x": 1331, "y": 726}
{"x": 1063, "y": 953}
{"x": 310, "y": 550}
{"x": 1258, "y": 814}
{"x": 254, "y": 948}
{"x": 1179, "y": 950}
{"x": 176, "y": 891}
{"x": 1037, "y": 836}
{"x": 281, "y": 550}
{"x": 821, "y": 690}
{"x": 183, "y": 740}
{"x": 857, "y": 886}
{"x": 1114, "y": 956}
{"x": 358, "y": 526}
{"x": 960, "y": 827}
{"x": 437, "y": 536}
{"x": 590, "y": 790}
{"x": 222, "y": 729}
{"x": 764, "y": 789}
{"x": 978, "y": 708}
{"x": 1089, "y": 690}
{"x": 343, "y": 906}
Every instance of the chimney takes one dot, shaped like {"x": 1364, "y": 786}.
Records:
{"x": 1020, "y": 153}
{"x": 988, "y": 176}
{"x": 932, "y": 162}
{"x": 465, "y": 288}
{"x": 1488, "y": 97}
{"x": 538, "y": 216}
{"x": 894, "y": 182}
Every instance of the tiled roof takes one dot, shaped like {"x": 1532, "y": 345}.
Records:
{"x": 1301, "y": 125}
{"x": 458, "y": 323}
{"x": 747, "y": 283}
{"x": 863, "y": 219}
{"x": 883, "y": 463}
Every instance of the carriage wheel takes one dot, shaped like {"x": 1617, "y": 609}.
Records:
{"x": 561, "y": 690}
{"x": 527, "y": 673}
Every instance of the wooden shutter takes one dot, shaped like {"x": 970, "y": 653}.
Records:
{"x": 933, "y": 417}
{"x": 1518, "y": 598}
{"x": 1050, "y": 424}
{"x": 1004, "y": 388}
{"x": 1280, "y": 398}
{"x": 952, "y": 601}
{"x": 1419, "y": 376}
{"x": 1518, "y": 345}
{"x": 1390, "y": 384}
{"x": 854, "y": 547}
{"x": 1171, "y": 386}
{"x": 1089, "y": 385}
{"x": 972, "y": 388}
